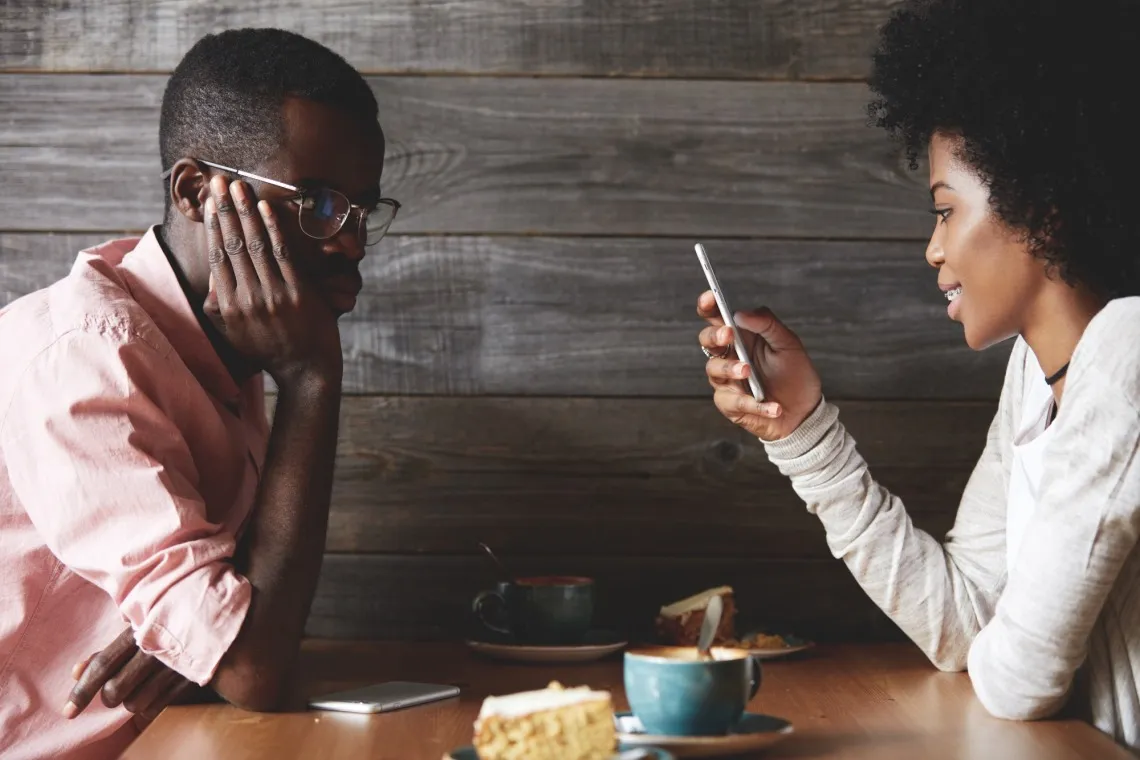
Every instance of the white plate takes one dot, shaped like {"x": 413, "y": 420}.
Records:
{"x": 523, "y": 653}
{"x": 773, "y": 654}
{"x": 754, "y": 732}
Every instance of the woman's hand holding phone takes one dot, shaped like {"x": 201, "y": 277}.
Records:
{"x": 787, "y": 374}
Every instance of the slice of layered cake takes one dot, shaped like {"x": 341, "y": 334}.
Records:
{"x": 679, "y": 623}
{"x": 554, "y": 723}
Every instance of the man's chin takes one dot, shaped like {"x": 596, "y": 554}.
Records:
{"x": 340, "y": 301}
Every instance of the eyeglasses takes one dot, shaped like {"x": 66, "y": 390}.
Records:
{"x": 322, "y": 212}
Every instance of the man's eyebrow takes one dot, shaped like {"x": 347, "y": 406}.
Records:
{"x": 369, "y": 196}
{"x": 314, "y": 182}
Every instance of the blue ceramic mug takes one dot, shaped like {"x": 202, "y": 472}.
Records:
{"x": 675, "y": 693}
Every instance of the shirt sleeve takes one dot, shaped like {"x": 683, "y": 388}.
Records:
{"x": 939, "y": 593}
{"x": 1083, "y": 529}
{"x": 109, "y": 482}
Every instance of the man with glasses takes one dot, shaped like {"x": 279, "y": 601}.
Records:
{"x": 156, "y": 536}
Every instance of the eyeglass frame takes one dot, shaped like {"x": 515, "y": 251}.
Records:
{"x": 361, "y": 210}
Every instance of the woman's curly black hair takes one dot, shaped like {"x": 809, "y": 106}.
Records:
{"x": 1042, "y": 94}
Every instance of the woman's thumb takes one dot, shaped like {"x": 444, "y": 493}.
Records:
{"x": 767, "y": 326}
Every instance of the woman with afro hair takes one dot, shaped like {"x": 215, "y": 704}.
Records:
{"x": 1021, "y": 108}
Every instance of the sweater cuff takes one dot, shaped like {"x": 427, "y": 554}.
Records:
{"x": 800, "y": 451}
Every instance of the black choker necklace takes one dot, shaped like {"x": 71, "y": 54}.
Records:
{"x": 1057, "y": 375}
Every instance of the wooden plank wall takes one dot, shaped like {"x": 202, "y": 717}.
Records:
{"x": 523, "y": 367}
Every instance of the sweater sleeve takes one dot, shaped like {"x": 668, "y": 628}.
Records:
{"x": 941, "y": 594}
{"x": 1084, "y": 527}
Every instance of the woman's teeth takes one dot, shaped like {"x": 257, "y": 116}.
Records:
{"x": 951, "y": 295}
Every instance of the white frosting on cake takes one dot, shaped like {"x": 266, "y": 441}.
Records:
{"x": 527, "y": 702}
{"x": 695, "y": 602}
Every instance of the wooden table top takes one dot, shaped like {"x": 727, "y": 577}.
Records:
{"x": 879, "y": 701}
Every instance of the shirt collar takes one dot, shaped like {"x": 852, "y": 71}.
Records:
{"x": 155, "y": 286}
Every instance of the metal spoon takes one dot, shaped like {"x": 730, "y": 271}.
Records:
{"x": 502, "y": 568}
{"x": 708, "y": 627}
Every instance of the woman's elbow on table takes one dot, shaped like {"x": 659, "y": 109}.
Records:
{"x": 1014, "y": 693}
{"x": 1009, "y": 706}
{"x": 1015, "y": 682}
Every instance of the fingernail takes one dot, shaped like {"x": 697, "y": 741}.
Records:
{"x": 70, "y": 710}
{"x": 237, "y": 190}
{"x": 263, "y": 207}
{"x": 219, "y": 183}
{"x": 210, "y": 206}
{"x": 772, "y": 410}
{"x": 740, "y": 369}
{"x": 76, "y": 671}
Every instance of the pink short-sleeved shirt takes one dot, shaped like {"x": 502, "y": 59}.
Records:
{"x": 129, "y": 462}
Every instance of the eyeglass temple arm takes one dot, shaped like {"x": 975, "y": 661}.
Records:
{"x": 241, "y": 173}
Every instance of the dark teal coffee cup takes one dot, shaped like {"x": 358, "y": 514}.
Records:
{"x": 673, "y": 693}
{"x": 551, "y": 610}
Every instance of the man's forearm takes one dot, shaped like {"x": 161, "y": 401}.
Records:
{"x": 285, "y": 543}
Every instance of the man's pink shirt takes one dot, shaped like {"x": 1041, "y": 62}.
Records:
{"x": 129, "y": 462}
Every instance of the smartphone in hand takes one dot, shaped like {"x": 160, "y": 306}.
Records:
{"x": 726, "y": 315}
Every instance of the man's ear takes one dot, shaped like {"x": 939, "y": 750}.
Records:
{"x": 189, "y": 188}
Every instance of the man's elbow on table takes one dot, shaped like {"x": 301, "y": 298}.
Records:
{"x": 250, "y": 685}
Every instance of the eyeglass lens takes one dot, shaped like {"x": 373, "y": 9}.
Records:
{"x": 324, "y": 212}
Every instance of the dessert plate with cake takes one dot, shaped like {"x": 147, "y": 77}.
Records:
{"x": 555, "y": 723}
{"x": 679, "y": 624}
{"x": 770, "y": 646}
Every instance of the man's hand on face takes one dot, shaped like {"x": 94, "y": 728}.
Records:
{"x": 257, "y": 299}
{"x": 125, "y": 676}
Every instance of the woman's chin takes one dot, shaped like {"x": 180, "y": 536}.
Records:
{"x": 980, "y": 340}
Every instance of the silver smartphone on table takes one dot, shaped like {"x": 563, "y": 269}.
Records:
{"x": 726, "y": 315}
{"x": 383, "y": 697}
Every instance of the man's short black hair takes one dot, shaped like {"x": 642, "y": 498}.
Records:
{"x": 1042, "y": 94}
{"x": 223, "y": 101}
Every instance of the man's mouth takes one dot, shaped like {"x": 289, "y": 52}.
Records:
{"x": 344, "y": 282}
{"x": 341, "y": 290}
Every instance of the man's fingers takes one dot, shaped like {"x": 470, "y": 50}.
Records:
{"x": 256, "y": 237}
{"x": 173, "y": 690}
{"x": 151, "y": 688}
{"x": 221, "y": 271}
{"x": 233, "y": 240}
{"x": 79, "y": 667}
{"x": 100, "y": 668}
{"x": 281, "y": 256}
{"x": 140, "y": 667}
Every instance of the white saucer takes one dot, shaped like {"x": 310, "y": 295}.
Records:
{"x": 753, "y": 732}
{"x": 602, "y": 643}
